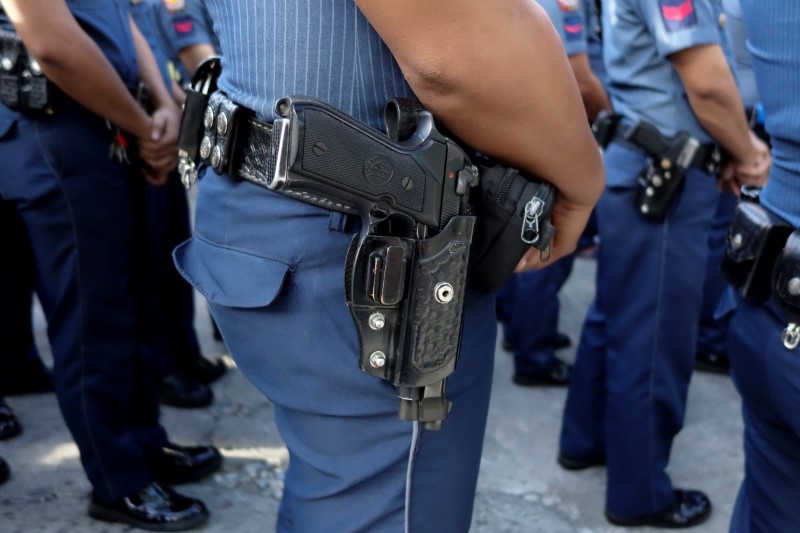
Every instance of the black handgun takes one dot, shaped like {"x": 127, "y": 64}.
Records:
{"x": 406, "y": 273}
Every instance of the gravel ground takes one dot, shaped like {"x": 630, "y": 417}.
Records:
{"x": 520, "y": 490}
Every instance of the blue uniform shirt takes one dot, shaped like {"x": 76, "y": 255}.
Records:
{"x": 332, "y": 54}
{"x": 777, "y": 70}
{"x": 568, "y": 21}
{"x": 638, "y": 36}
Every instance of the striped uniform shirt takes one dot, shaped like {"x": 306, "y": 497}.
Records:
{"x": 325, "y": 49}
{"x": 775, "y": 46}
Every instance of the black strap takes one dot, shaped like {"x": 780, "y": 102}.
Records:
{"x": 239, "y": 144}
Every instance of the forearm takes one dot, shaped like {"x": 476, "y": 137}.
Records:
{"x": 592, "y": 92}
{"x": 192, "y": 56}
{"x": 73, "y": 62}
{"x": 714, "y": 98}
{"x": 523, "y": 107}
{"x": 721, "y": 114}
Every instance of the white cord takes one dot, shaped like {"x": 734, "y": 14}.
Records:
{"x": 409, "y": 472}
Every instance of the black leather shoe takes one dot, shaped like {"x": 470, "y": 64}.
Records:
{"x": 558, "y": 376}
{"x": 155, "y": 507}
{"x": 4, "y": 471}
{"x": 691, "y": 508}
{"x": 183, "y": 464}
{"x": 9, "y": 425}
{"x": 562, "y": 341}
{"x": 506, "y": 345}
{"x": 717, "y": 363}
{"x": 31, "y": 382}
{"x": 569, "y": 463}
{"x": 204, "y": 371}
{"x": 178, "y": 391}
{"x": 215, "y": 330}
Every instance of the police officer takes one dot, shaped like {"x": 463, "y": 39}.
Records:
{"x": 710, "y": 355}
{"x": 76, "y": 206}
{"x": 272, "y": 266}
{"x": 528, "y": 304}
{"x": 626, "y": 400}
{"x": 765, "y": 370}
{"x": 165, "y": 301}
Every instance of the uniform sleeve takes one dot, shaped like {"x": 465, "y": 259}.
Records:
{"x": 568, "y": 22}
{"x": 189, "y": 23}
{"x": 680, "y": 24}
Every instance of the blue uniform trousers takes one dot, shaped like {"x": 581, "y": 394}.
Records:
{"x": 272, "y": 269}
{"x": 75, "y": 203}
{"x": 529, "y": 306}
{"x": 767, "y": 376}
{"x": 20, "y": 357}
{"x": 165, "y": 301}
{"x": 627, "y": 394}
{"x": 713, "y": 329}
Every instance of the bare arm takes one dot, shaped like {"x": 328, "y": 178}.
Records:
{"x": 594, "y": 95}
{"x": 715, "y": 101}
{"x": 496, "y": 75}
{"x": 192, "y": 56}
{"x": 71, "y": 60}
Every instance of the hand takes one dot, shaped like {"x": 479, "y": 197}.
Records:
{"x": 755, "y": 170}
{"x": 160, "y": 150}
{"x": 570, "y": 220}
{"x": 726, "y": 181}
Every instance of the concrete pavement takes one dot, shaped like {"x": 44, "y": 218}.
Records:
{"x": 521, "y": 488}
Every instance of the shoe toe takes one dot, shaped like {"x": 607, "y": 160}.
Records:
{"x": 691, "y": 508}
{"x": 156, "y": 508}
{"x": 182, "y": 464}
{"x": 206, "y": 371}
{"x": 562, "y": 341}
{"x": 5, "y": 472}
{"x": 712, "y": 362}
{"x": 9, "y": 425}
{"x": 178, "y": 391}
{"x": 557, "y": 376}
{"x": 574, "y": 463}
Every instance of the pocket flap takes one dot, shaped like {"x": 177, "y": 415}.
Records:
{"x": 230, "y": 277}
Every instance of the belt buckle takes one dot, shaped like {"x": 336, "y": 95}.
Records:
{"x": 280, "y": 151}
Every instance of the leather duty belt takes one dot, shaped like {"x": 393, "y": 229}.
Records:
{"x": 683, "y": 150}
{"x": 235, "y": 142}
